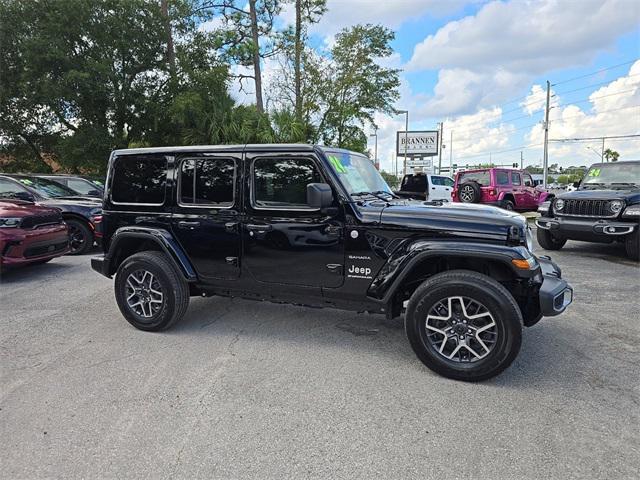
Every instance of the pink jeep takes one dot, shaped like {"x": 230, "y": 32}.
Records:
{"x": 506, "y": 188}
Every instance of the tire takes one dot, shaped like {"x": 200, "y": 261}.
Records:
{"x": 80, "y": 237}
{"x": 632, "y": 246}
{"x": 162, "y": 311}
{"x": 469, "y": 192}
{"x": 502, "y": 340}
{"x": 548, "y": 241}
{"x": 507, "y": 205}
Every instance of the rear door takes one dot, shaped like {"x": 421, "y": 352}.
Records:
{"x": 206, "y": 216}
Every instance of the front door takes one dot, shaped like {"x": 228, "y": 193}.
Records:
{"x": 530, "y": 192}
{"x": 206, "y": 217}
{"x": 518, "y": 191}
{"x": 284, "y": 240}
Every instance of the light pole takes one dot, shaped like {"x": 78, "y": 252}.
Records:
{"x": 406, "y": 137}
{"x": 375, "y": 155}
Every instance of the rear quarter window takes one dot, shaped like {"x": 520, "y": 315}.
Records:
{"x": 482, "y": 178}
{"x": 139, "y": 179}
{"x": 502, "y": 178}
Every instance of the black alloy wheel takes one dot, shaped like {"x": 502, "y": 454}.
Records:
{"x": 80, "y": 237}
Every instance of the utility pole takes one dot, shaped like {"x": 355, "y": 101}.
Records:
{"x": 406, "y": 140}
{"x": 602, "y": 154}
{"x": 521, "y": 161}
{"x": 375, "y": 155}
{"x": 451, "y": 153}
{"x": 545, "y": 162}
{"x": 440, "y": 148}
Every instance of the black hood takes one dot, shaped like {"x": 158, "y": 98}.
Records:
{"x": 629, "y": 195}
{"x": 455, "y": 219}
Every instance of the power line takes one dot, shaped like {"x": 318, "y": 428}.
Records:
{"x": 491, "y": 152}
{"x": 597, "y": 113}
{"x": 589, "y": 99}
{"x": 595, "y": 73}
{"x": 593, "y": 85}
{"x": 583, "y": 139}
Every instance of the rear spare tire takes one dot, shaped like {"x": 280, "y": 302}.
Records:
{"x": 469, "y": 192}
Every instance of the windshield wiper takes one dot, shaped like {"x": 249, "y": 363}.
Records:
{"x": 377, "y": 194}
{"x": 633, "y": 184}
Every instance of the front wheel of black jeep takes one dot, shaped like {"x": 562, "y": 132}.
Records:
{"x": 548, "y": 241}
{"x": 150, "y": 293}
{"x": 464, "y": 325}
{"x": 632, "y": 246}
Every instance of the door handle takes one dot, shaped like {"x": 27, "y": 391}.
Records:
{"x": 188, "y": 225}
{"x": 259, "y": 228}
{"x": 433, "y": 188}
{"x": 230, "y": 227}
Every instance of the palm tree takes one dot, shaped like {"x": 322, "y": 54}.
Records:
{"x": 611, "y": 155}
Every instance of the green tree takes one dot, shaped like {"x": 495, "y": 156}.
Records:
{"x": 563, "y": 179}
{"x": 352, "y": 86}
{"x": 390, "y": 178}
{"x": 611, "y": 155}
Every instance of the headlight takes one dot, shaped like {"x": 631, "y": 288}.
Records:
{"x": 9, "y": 222}
{"x": 529, "y": 238}
{"x": 544, "y": 207}
{"x": 632, "y": 211}
{"x": 559, "y": 205}
{"x": 616, "y": 206}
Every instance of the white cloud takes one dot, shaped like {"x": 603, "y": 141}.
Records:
{"x": 392, "y": 14}
{"x": 486, "y": 58}
{"x": 614, "y": 110}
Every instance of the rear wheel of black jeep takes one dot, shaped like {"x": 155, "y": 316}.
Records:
{"x": 150, "y": 293}
{"x": 469, "y": 192}
{"x": 80, "y": 237}
{"x": 464, "y": 325}
{"x": 548, "y": 241}
{"x": 632, "y": 246}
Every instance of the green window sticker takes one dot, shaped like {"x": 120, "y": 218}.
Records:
{"x": 26, "y": 181}
{"x": 594, "y": 172}
{"x": 337, "y": 164}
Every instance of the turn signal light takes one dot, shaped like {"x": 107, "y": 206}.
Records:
{"x": 523, "y": 264}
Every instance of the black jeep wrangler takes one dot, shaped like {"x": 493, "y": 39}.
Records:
{"x": 318, "y": 226}
{"x": 605, "y": 208}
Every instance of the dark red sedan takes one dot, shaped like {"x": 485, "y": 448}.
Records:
{"x": 30, "y": 233}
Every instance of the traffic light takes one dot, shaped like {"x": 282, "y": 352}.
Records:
{"x": 514, "y": 165}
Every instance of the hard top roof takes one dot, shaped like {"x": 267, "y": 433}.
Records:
{"x": 261, "y": 147}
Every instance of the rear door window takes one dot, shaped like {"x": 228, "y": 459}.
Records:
{"x": 207, "y": 181}
{"x": 515, "y": 178}
{"x": 139, "y": 179}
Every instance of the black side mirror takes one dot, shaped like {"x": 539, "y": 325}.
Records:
{"x": 26, "y": 196}
{"x": 94, "y": 193}
{"x": 576, "y": 184}
{"x": 319, "y": 195}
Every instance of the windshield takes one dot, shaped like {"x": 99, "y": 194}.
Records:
{"x": 46, "y": 188}
{"x": 357, "y": 173}
{"x": 612, "y": 175}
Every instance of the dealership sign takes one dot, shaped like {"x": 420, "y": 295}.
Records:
{"x": 417, "y": 144}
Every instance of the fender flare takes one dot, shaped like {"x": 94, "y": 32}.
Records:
{"x": 405, "y": 259}
{"x": 163, "y": 238}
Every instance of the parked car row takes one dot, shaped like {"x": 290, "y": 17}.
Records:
{"x": 45, "y": 216}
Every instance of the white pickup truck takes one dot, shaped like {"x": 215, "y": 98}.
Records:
{"x": 425, "y": 186}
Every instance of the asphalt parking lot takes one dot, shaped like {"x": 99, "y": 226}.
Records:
{"x": 242, "y": 389}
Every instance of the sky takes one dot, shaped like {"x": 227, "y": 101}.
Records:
{"x": 481, "y": 68}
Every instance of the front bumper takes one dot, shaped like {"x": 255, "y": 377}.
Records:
{"x": 22, "y": 247}
{"x": 597, "y": 230}
{"x": 555, "y": 293}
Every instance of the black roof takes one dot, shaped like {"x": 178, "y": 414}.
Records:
{"x": 257, "y": 147}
